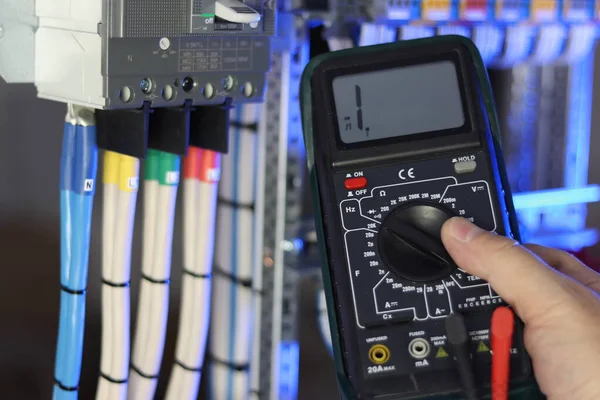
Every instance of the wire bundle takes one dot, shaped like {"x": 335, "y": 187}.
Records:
{"x": 161, "y": 180}
{"x": 202, "y": 170}
{"x": 121, "y": 182}
{"x": 78, "y": 167}
{"x": 233, "y": 315}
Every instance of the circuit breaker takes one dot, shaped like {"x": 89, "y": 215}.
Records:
{"x": 122, "y": 53}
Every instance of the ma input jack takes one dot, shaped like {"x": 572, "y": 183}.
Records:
{"x": 419, "y": 348}
{"x": 379, "y": 354}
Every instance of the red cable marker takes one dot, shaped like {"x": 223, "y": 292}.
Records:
{"x": 203, "y": 165}
{"x": 503, "y": 321}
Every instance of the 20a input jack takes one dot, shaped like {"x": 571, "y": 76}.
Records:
{"x": 379, "y": 354}
{"x": 419, "y": 348}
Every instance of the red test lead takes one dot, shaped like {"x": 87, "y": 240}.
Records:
{"x": 502, "y": 329}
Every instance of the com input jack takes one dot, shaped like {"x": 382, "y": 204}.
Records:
{"x": 419, "y": 348}
{"x": 379, "y": 354}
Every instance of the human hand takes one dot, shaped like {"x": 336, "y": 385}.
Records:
{"x": 555, "y": 295}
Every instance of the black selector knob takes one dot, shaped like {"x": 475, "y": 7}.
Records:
{"x": 410, "y": 242}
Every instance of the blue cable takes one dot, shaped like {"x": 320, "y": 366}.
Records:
{"x": 79, "y": 163}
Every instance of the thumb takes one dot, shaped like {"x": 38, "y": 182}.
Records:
{"x": 518, "y": 276}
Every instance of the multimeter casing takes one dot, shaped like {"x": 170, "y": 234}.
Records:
{"x": 369, "y": 304}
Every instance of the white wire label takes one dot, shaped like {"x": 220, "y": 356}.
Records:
{"x": 133, "y": 183}
{"x": 88, "y": 185}
{"x": 172, "y": 177}
{"x": 213, "y": 174}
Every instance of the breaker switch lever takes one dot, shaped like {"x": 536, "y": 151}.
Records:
{"x": 236, "y": 11}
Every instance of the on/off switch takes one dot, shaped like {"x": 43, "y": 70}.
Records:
{"x": 355, "y": 183}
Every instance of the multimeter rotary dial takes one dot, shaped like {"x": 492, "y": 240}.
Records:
{"x": 410, "y": 242}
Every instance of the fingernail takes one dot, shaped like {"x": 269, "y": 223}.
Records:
{"x": 462, "y": 230}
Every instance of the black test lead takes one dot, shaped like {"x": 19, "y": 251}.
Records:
{"x": 459, "y": 343}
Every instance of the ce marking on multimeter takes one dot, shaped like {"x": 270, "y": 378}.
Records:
{"x": 406, "y": 174}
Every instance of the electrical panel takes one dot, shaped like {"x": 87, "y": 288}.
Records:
{"x": 122, "y": 53}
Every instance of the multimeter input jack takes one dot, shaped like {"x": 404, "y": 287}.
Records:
{"x": 419, "y": 348}
{"x": 379, "y": 354}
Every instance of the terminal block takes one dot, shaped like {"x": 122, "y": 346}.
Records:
{"x": 121, "y": 54}
{"x": 378, "y": 11}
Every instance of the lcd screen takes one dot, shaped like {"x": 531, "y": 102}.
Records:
{"x": 398, "y": 102}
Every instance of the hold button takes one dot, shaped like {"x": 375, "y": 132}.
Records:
{"x": 464, "y": 167}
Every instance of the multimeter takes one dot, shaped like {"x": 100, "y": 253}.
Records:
{"x": 400, "y": 138}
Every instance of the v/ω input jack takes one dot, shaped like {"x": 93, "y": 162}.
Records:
{"x": 419, "y": 348}
{"x": 379, "y": 354}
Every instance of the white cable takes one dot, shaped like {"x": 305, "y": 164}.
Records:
{"x": 409, "y": 32}
{"x": 323, "y": 318}
{"x": 549, "y": 44}
{"x": 159, "y": 215}
{"x": 223, "y": 377}
{"x": 582, "y": 39}
{"x": 518, "y": 45}
{"x": 116, "y": 276}
{"x": 232, "y": 315}
{"x": 227, "y": 382}
{"x": 138, "y": 388}
{"x": 489, "y": 40}
{"x": 460, "y": 30}
{"x": 371, "y": 34}
{"x": 339, "y": 43}
{"x": 111, "y": 197}
{"x": 200, "y": 203}
{"x": 259, "y": 261}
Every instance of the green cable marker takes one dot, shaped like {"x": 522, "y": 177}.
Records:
{"x": 162, "y": 167}
{"x": 401, "y": 137}
{"x": 151, "y": 165}
{"x": 169, "y": 169}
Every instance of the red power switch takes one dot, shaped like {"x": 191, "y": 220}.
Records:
{"x": 355, "y": 183}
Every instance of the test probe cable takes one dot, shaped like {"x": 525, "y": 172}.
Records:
{"x": 459, "y": 343}
{"x": 161, "y": 181}
{"x": 501, "y": 331}
{"x": 121, "y": 182}
{"x": 201, "y": 173}
{"x": 78, "y": 167}
{"x": 233, "y": 314}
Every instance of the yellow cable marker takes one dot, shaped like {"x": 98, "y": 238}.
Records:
{"x": 544, "y": 10}
{"x": 436, "y": 10}
{"x": 129, "y": 173}
{"x": 111, "y": 168}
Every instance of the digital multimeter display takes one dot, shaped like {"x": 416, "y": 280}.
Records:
{"x": 398, "y": 102}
